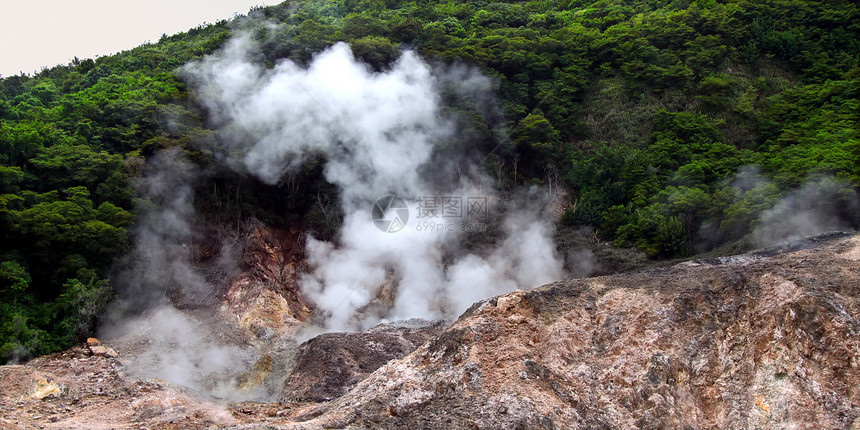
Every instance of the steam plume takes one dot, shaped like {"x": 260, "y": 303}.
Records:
{"x": 163, "y": 232}
{"x": 170, "y": 344}
{"x": 818, "y": 206}
{"x": 380, "y": 133}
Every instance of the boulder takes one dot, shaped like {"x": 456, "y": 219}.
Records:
{"x": 103, "y": 351}
{"x": 328, "y": 365}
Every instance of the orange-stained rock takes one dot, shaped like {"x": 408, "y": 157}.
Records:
{"x": 103, "y": 351}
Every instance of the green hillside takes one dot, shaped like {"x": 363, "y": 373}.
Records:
{"x": 675, "y": 127}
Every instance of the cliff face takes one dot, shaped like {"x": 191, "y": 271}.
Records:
{"x": 264, "y": 295}
{"x": 767, "y": 340}
{"x": 751, "y": 342}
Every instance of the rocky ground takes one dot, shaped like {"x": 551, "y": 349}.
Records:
{"x": 763, "y": 340}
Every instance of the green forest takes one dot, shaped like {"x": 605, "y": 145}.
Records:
{"x": 648, "y": 113}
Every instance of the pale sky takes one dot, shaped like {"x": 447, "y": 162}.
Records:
{"x": 37, "y": 33}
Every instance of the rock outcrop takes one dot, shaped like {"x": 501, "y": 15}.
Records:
{"x": 327, "y": 366}
{"x": 764, "y": 340}
{"x": 264, "y": 294}
{"x": 759, "y": 342}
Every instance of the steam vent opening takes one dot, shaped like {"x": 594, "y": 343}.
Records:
{"x": 458, "y": 215}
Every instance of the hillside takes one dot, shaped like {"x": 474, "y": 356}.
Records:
{"x": 762, "y": 340}
{"x": 658, "y": 130}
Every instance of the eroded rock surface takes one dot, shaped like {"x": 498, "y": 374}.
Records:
{"x": 265, "y": 295}
{"x": 768, "y": 341}
{"x": 78, "y": 390}
{"x": 771, "y": 342}
{"x": 328, "y": 365}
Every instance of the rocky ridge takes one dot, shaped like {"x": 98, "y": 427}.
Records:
{"x": 766, "y": 340}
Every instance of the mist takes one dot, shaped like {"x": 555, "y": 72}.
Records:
{"x": 763, "y": 214}
{"x": 158, "y": 276}
{"x": 187, "y": 349}
{"x": 818, "y": 206}
{"x": 161, "y": 261}
{"x": 382, "y": 134}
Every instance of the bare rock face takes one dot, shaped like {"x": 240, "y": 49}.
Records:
{"x": 268, "y": 305}
{"x": 265, "y": 295}
{"x": 769, "y": 340}
{"x": 103, "y": 351}
{"x": 328, "y": 365}
{"x": 759, "y": 342}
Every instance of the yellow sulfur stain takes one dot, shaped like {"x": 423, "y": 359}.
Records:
{"x": 46, "y": 388}
{"x": 761, "y": 403}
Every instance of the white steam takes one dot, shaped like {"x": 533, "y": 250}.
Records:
{"x": 818, "y": 206}
{"x": 165, "y": 342}
{"x": 773, "y": 216}
{"x": 186, "y": 349}
{"x": 162, "y": 236}
{"x": 376, "y": 129}
{"x": 378, "y": 133}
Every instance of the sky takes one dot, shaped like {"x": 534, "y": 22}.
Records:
{"x": 38, "y": 33}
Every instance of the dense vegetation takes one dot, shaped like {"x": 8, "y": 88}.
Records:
{"x": 649, "y": 113}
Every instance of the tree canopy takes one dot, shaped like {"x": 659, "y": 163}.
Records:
{"x": 675, "y": 126}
